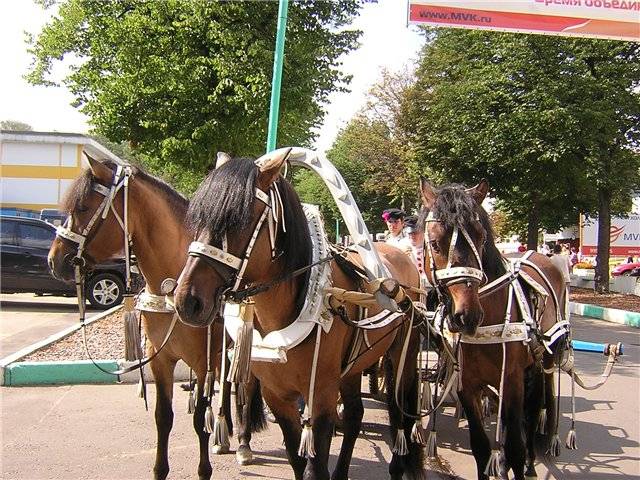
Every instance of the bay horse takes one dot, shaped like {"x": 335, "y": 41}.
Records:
{"x": 461, "y": 256}
{"x": 237, "y": 247}
{"x": 159, "y": 237}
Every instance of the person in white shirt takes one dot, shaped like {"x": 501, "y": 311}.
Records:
{"x": 416, "y": 239}
{"x": 394, "y": 218}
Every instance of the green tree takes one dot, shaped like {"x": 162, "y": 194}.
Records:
{"x": 15, "y": 125}
{"x": 525, "y": 112}
{"x": 181, "y": 79}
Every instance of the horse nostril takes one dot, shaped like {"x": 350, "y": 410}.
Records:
{"x": 192, "y": 305}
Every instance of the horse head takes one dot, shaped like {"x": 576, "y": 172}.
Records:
{"x": 92, "y": 232}
{"x": 236, "y": 214}
{"x": 454, "y": 243}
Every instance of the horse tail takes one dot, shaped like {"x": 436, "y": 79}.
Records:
{"x": 257, "y": 417}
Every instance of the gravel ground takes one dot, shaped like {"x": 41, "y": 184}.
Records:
{"x": 105, "y": 338}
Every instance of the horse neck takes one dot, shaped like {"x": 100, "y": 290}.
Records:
{"x": 160, "y": 238}
{"x": 495, "y": 305}
{"x": 276, "y": 308}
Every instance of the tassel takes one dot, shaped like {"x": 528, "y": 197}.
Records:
{"x": 427, "y": 399}
{"x": 493, "y": 465}
{"x": 571, "y": 439}
{"x": 417, "y": 435}
{"x": 486, "y": 407}
{"x": 307, "y": 448}
{"x": 132, "y": 341}
{"x": 432, "y": 444}
{"x": 141, "y": 393}
{"x": 542, "y": 421}
{"x": 221, "y": 433}
{"x": 554, "y": 447}
{"x": 459, "y": 410}
{"x": 208, "y": 385}
{"x": 241, "y": 362}
{"x": 400, "y": 445}
{"x": 191, "y": 400}
{"x": 209, "y": 424}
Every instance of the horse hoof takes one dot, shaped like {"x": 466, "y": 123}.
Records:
{"x": 530, "y": 473}
{"x": 244, "y": 455}
{"x": 220, "y": 449}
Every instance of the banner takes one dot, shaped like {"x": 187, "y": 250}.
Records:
{"x": 609, "y": 19}
{"x": 624, "y": 236}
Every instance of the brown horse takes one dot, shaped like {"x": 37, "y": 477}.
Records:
{"x": 228, "y": 213}
{"x": 460, "y": 257}
{"x": 159, "y": 237}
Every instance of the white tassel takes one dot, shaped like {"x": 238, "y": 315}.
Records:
{"x": 493, "y": 465}
{"x": 571, "y": 439}
{"x": 208, "y": 385}
{"x": 191, "y": 400}
{"x": 554, "y": 447}
{"x": 209, "y": 423}
{"x": 132, "y": 341}
{"x": 486, "y": 407}
{"x": 400, "y": 446}
{"x": 307, "y": 448}
{"x": 239, "y": 370}
{"x": 427, "y": 399}
{"x": 221, "y": 432}
{"x": 141, "y": 387}
{"x": 417, "y": 435}
{"x": 432, "y": 444}
{"x": 542, "y": 421}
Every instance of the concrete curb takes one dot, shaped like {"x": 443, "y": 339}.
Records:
{"x": 623, "y": 317}
{"x": 16, "y": 373}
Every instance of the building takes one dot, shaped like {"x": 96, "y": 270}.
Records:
{"x": 36, "y": 168}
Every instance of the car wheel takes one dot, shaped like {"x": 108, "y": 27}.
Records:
{"x": 626, "y": 273}
{"x": 105, "y": 290}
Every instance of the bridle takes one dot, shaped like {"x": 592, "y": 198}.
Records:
{"x": 450, "y": 275}
{"x": 121, "y": 178}
{"x": 273, "y": 213}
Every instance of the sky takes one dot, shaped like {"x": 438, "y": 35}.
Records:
{"x": 387, "y": 42}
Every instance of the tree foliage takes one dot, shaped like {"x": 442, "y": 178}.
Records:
{"x": 183, "y": 79}
{"x": 15, "y": 125}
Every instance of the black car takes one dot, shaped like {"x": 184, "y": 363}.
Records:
{"x": 24, "y": 246}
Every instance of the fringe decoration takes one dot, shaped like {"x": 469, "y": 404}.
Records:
{"x": 417, "y": 435}
{"x": 486, "y": 407}
{"x": 571, "y": 439}
{"x": 140, "y": 392}
{"x": 554, "y": 447}
{"x": 208, "y": 384}
{"x": 400, "y": 446}
{"x": 132, "y": 340}
{"x": 241, "y": 362}
{"x": 432, "y": 444}
{"x": 459, "y": 410}
{"x": 542, "y": 421}
{"x": 307, "y": 448}
{"x": 427, "y": 398}
{"x": 209, "y": 424}
{"x": 221, "y": 432}
{"x": 191, "y": 400}
{"x": 493, "y": 465}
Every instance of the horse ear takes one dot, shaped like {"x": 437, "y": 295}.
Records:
{"x": 99, "y": 169}
{"x": 480, "y": 191}
{"x": 428, "y": 193}
{"x": 269, "y": 166}
{"x": 223, "y": 158}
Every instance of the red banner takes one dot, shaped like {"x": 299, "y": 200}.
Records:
{"x": 610, "y": 19}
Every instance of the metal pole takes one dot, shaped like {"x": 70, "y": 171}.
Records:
{"x": 278, "y": 57}
{"x": 337, "y": 231}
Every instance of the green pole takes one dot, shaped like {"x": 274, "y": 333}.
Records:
{"x": 337, "y": 230}
{"x": 274, "y": 108}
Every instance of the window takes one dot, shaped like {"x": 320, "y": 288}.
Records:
{"x": 36, "y": 237}
{"x": 8, "y": 232}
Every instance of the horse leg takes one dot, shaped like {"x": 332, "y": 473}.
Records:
{"x": 288, "y": 418}
{"x": 162, "y": 369}
{"x": 351, "y": 423}
{"x": 250, "y": 418}
{"x": 532, "y": 405}
{"x": 470, "y": 399}
{"x": 323, "y": 421}
{"x": 514, "y": 444}
{"x": 204, "y": 467}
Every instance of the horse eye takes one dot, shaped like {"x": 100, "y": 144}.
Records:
{"x": 435, "y": 247}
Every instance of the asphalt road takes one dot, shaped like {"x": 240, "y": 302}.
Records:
{"x": 103, "y": 432}
{"x": 26, "y": 319}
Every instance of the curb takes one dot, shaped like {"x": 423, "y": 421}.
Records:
{"x": 622, "y": 317}
{"x": 13, "y": 372}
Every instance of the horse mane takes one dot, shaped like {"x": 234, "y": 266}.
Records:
{"x": 224, "y": 202}
{"x": 454, "y": 206}
{"x": 81, "y": 188}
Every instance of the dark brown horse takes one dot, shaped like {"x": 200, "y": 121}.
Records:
{"x": 229, "y": 213}
{"x": 159, "y": 238}
{"x": 461, "y": 259}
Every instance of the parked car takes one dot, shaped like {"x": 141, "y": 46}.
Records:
{"x": 624, "y": 268}
{"x": 24, "y": 246}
